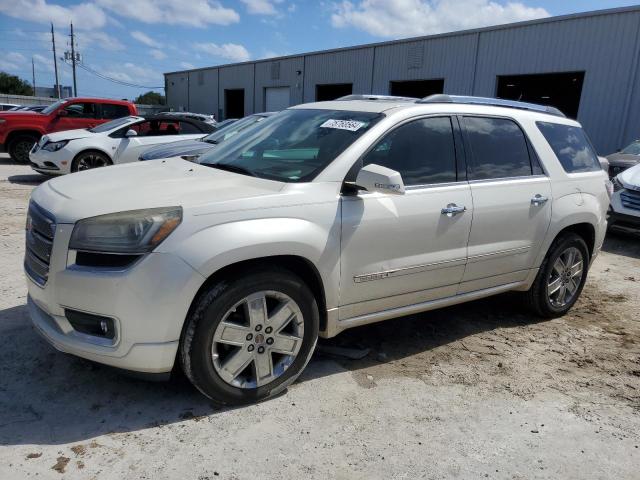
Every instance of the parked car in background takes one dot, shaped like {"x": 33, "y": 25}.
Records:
{"x": 625, "y": 158}
{"x": 30, "y": 108}
{"x": 118, "y": 141}
{"x": 195, "y": 148}
{"x": 7, "y": 106}
{"x": 324, "y": 217}
{"x": 624, "y": 213}
{"x": 195, "y": 116}
{"x": 19, "y": 131}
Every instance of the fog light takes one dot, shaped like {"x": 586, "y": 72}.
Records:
{"x": 91, "y": 324}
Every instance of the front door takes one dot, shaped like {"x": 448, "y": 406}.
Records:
{"x": 400, "y": 250}
{"x": 77, "y": 115}
{"x": 511, "y": 203}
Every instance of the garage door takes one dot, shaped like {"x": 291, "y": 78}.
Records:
{"x": 276, "y": 98}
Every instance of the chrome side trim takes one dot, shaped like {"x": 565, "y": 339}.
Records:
{"x": 397, "y": 272}
{"x": 500, "y": 253}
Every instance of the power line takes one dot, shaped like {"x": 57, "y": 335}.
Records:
{"x": 111, "y": 79}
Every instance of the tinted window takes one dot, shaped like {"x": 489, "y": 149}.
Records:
{"x": 155, "y": 128}
{"x": 498, "y": 148}
{"x": 114, "y": 111}
{"x": 188, "y": 128}
{"x": 422, "y": 151}
{"x": 571, "y": 146}
{"x": 81, "y": 110}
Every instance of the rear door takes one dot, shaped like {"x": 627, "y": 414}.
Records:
{"x": 111, "y": 111}
{"x": 399, "y": 250}
{"x": 511, "y": 202}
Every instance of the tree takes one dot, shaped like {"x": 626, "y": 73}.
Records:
{"x": 14, "y": 85}
{"x": 150, "y": 98}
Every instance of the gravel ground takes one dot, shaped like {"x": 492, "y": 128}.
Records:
{"x": 482, "y": 390}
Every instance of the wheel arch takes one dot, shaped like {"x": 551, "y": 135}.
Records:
{"x": 300, "y": 266}
{"x": 26, "y": 131}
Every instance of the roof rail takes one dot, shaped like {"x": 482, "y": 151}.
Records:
{"x": 497, "y": 102}
{"x": 386, "y": 98}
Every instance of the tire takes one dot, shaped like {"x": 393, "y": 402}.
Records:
{"x": 90, "y": 160}
{"x": 221, "y": 314}
{"x": 20, "y": 146}
{"x": 544, "y": 296}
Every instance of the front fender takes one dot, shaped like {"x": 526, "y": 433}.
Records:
{"x": 218, "y": 246}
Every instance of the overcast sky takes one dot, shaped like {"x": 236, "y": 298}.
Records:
{"x": 135, "y": 41}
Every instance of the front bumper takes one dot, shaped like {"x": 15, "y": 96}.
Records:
{"x": 148, "y": 302}
{"x": 52, "y": 163}
{"x": 622, "y": 217}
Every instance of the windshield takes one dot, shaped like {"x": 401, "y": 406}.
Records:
{"x": 293, "y": 145}
{"x": 53, "y": 107}
{"x": 633, "y": 149}
{"x": 230, "y": 130}
{"x": 105, "y": 127}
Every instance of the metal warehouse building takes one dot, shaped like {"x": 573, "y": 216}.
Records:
{"x": 585, "y": 64}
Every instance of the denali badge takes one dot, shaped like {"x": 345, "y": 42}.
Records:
{"x": 388, "y": 186}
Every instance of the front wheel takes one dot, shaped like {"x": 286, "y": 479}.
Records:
{"x": 89, "y": 160}
{"x": 20, "y": 147}
{"x": 250, "y": 336}
{"x": 561, "y": 278}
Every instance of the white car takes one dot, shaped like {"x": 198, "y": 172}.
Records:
{"x": 624, "y": 213}
{"x": 119, "y": 141}
{"x": 322, "y": 217}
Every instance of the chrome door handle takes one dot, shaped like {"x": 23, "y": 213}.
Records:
{"x": 452, "y": 209}
{"x": 538, "y": 200}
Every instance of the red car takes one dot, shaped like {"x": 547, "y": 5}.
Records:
{"x": 20, "y": 130}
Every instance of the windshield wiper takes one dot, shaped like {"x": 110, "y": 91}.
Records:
{"x": 212, "y": 142}
{"x": 231, "y": 168}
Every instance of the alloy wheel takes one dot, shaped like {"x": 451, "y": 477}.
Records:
{"x": 22, "y": 149}
{"x": 565, "y": 277}
{"x": 257, "y": 339}
{"x": 91, "y": 161}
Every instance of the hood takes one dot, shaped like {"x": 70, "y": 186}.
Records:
{"x": 623, "y": 159}
{"x": 630, "y": 178}
{"x": 69, "y": 135}
{"x": 176, "y": 149}
{"x": 20, "y": 114}
{"x": 140, "y": 185}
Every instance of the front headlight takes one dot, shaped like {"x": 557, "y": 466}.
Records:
{"x": 617, "y": 186}
{"x": 133, "y": 232}
{"x": 54, "y": 146}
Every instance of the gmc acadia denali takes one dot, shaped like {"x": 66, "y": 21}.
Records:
{"x": 322, "y": 217}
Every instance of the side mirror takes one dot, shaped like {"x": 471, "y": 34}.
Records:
{"x": 62, "y": 113}
{"x": 131, "y": 133}
{"x": 376, "y": 178}
{"x": 604, "y": 163}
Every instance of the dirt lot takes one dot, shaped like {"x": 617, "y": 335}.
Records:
{"x": 482, "y": 390}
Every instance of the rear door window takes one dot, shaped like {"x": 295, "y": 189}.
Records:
{"x": 111, "y": 111}
{"x": 498, "y": 148}
{"x": 571, "y": 146}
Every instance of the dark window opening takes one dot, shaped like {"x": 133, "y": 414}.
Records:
{"x": 416, "y": 88}
{"x": 560, "y": 90}
{"x": 422, "y": 151}
{"x": 234, "y": 103}
{"x": 325, "y": 93}
{"x": 498, "y": 148}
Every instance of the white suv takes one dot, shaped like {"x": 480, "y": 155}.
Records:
{"x": 323, "y": 217}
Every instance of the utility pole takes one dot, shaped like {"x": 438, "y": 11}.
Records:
{"x": 55, "y": 60}
{"x": 33, "y": 74}
{"x": 73, "y": 62}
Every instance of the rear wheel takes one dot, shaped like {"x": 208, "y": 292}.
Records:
{"x": 561, "y": 277}
{"x": 20, "y": 147}
{"x": 89, "y": 160}
{"x": 250, "y": 337}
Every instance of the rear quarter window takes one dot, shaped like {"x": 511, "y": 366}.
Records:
{"x": 571, "y": 146}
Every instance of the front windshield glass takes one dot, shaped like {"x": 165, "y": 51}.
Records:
{"x": 293, "y": 145}
{"x": 633, "y": 149}
{"x": 53, "y": 107}
{"x": 230, "y": 130}
{"x": 105, "y": 127}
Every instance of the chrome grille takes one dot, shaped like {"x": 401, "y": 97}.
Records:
{"x": 630, "y": 199}
{"x": 39, "y": 235}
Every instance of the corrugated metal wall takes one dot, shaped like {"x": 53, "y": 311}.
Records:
{"x": 605, "y": 45}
